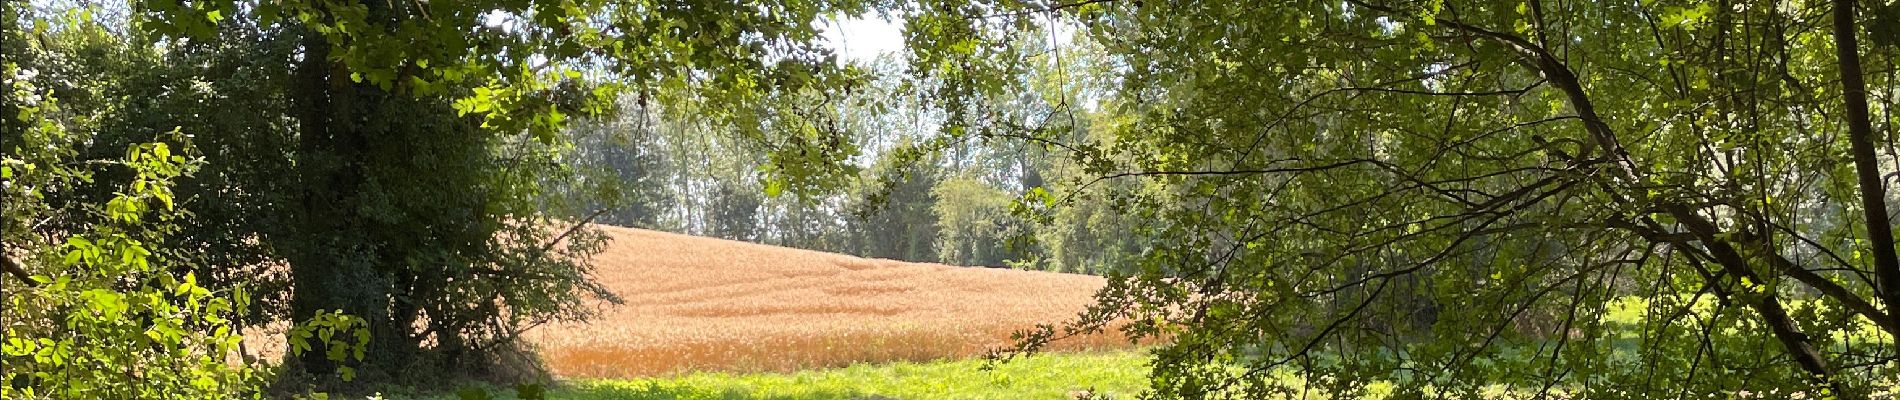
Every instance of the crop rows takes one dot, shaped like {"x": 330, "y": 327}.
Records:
{"x": 697, "y": 304}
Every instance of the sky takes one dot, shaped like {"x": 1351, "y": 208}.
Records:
{"x": 858, "y": 39}
{"x": 863, "y": 39}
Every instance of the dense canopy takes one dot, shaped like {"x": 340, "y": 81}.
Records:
{"x": 1637, "y": 199}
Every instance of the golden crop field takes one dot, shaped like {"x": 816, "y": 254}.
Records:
{"x": 699, "y": 304}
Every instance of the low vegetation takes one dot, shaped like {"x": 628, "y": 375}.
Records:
{"x": 1104, "y": 375}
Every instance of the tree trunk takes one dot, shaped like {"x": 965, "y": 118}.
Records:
{"x": 313, "y": 102}
{"x": 334, "y": 267}
{"x": 1860, "y": 132}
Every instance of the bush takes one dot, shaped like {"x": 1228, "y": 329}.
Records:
{"x": 95, "y": 312}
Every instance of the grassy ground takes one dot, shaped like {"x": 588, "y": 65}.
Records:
{"x": 1119, "y": 375}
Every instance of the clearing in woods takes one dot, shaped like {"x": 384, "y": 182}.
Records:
{"x": 703, "y": 304}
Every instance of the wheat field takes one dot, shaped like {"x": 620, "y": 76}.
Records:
{"x": 703, "y": 304}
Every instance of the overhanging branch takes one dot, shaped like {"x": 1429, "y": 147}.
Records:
{"x": 13, "y": 268}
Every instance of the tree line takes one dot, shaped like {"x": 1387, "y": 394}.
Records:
{"x": 907, "y": 196}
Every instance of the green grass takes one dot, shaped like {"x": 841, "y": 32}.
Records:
{"x": 1120, "y": 375}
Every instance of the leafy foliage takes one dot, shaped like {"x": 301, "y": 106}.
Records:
{"x": 1408, "y": 192}
{"x": 93, "y": 311}
{"x": 974, "y": 217}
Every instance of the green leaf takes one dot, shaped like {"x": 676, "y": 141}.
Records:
{"x": 774, "y": 187}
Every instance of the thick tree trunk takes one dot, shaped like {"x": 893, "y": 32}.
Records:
{"x": 1860, "y": 132}
{"x": 313, "y": 102}
{"x": 333, "y": 265}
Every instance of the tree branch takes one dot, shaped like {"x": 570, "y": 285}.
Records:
{"x": 1770, "y": 308}
{"x": 1051, "y": 8}
{"x": 1627, "y": 171}
{"x": 570, "y": 231}
{"x": 13, "y": 268}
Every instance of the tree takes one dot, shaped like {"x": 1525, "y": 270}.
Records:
{"x": 621, "y": 156}
{"x": 735, "y": 212}
{"x": 422, "y": 131}
{"x": 975, "y": 223}
{"x": 1640, "y": 193}
{"x": 891, "y": 213}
